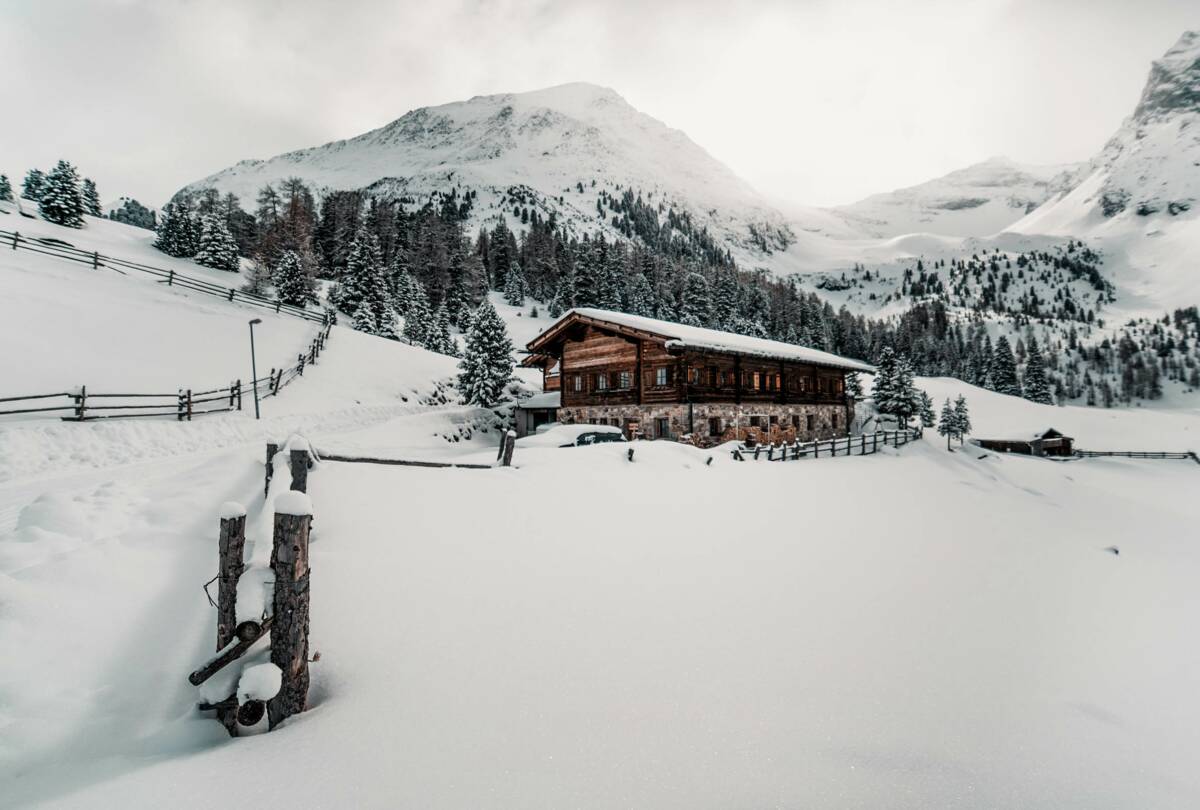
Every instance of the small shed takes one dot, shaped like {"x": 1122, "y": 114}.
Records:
{"x": 1049, "y": 442}
{"x": 539, "y": 409}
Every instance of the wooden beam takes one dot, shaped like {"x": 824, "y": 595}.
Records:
{"x": 289, "y": 638}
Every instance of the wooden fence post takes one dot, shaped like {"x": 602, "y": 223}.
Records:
{"x": 289, "y": 629}
{"x": 95, "y": 260}
{"x": 170, "y": 277}
{"x": 510, "y": 442}
{"x": 16, "y": 238}
{"x": 300, "y": 363}
{"x": 230, "y": 547}
{"x": 82, "y": 406}
{"x": 189, "y": 404}
{"x": 272, "y": 449}
{"x": 239, "y": 395}
{"x": 298, "y": 461}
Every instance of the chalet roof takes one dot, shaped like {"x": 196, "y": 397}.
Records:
{"x": 697, "y": 337}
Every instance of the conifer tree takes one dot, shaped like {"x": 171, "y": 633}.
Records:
{"x": 926, "y": 410}
{"x": 948, "y": 422}
{"x": 884, "y": 388}
{"x": 1004, "y": 369}
{"x": 364, "y": 320}
{"x": 258, "y": 279}
{"x": 91, "y": 198}
{"x": 1036, "y": 387}
{"x": 962, "y": 418}
{"x": 487, "y": 364}
{"x": 6, "y": 192}
{"x": 216, "y": 248}
{"x": 292, "y": 284}
{"x": 514, "y": 286}
{"x": 362, "y": 281}
{"x": 175, "y": 231}
{"x": 61, "y": 201}
{"x": 420, "y": 317}
{"x": 695, "y": 308}
{"x": 439, "y": 339}
{"x": 854, "y": 385}
{"x": 33, "y": 185}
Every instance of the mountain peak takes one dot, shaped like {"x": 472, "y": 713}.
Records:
{"x": 1174, "y": 82}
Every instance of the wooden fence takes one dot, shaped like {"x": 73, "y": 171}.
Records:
{"x": 85, "y": 406}
{"x": 861, "y": 445}
{"x": 172, "y": 278}
{"x": 1136, "y": 454}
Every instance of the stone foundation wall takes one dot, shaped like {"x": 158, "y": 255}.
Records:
{"x": 748, "y": 422}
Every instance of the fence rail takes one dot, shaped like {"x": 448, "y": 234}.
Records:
{"x": 83, "y": 405}
{"x": 862, "y": 445}
{"x": 172, "y": 278}
{"x": 1137, "y": 454}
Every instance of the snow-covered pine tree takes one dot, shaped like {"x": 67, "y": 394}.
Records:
{"x": 364, "y": 320}
{"x": 962, "y": 418}
{"x": 61, "y": 201}
{"x": 33, "y": 185}
{"x": 926, "y": 409}
{"x": 292, "y": 284}
{"x": 884, "y": 389}
{"x": 1004, "y": 369}
{"x": 216, "y": 248}
{"x": 554, "y": 308}
{"x": 1035, "y": 385}
{"x": 908, "y": 398}
{"x": 175, "y": 231}
{"x": 948, "y": 422}
{"x": 91, "y": 198}
{"x": 695, "y": 307}
{"x": 362, "y": 281}
{"x": 514, "y": 286}
{"x": 6, "y": 192}
{"x": 854, "y": 385}
{"x": 487, "y": 364}
{"x": 639, "y": 296}
{"x": 258, "y": 278}
{"x": 439, "y": 339}
{"x": 724, "y": 300}
{"x": 420, "y": 316}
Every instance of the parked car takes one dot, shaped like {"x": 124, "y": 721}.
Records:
{"x": 572, "y": 436}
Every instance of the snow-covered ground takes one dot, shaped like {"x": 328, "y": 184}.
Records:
{"x": 918, "y": 628}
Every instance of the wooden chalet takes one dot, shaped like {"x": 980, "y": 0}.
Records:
{"x": 657, "y": 379}
{"x": 1048, "y": 442}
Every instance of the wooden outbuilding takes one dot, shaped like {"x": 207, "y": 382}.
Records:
{"x": 658, "y": 379}
{"x": 1049, "y": 442}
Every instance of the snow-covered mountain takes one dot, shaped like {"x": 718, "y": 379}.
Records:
{"x": 976, "y": 201}
{"x": 555, "y": 150}
{"x": 1137, "y": 200}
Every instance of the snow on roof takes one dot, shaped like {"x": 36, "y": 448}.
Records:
{"x": 546, "y": 399}
{"x": 697, "y": 337}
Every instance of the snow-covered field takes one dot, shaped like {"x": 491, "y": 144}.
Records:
{"x": 917, "y": 628}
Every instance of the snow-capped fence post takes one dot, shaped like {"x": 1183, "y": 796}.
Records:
{"x": 230, "y": 548}
{"x": 300, "y": 364}
{"x": 298, "y": 462}
{"x": 170, "y": 277}
{"x": 289, "y": 630}
{"x": 507, "y": 446}
{"x": 272, "y": 449}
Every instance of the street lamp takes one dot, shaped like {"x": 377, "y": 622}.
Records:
{"x": 254, "y": 366}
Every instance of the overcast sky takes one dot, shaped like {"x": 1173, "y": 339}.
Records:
{"x": 812, "y": 102}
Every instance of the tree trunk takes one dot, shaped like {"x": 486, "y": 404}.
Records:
{"x": 230, "y": 548}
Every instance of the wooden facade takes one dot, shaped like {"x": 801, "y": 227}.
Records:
{"x": 611, "y": 373}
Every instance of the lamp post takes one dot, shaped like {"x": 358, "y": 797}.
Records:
{"x": 254, "y": 366}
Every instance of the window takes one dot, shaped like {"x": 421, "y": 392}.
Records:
{"x": 576, "y": 382}
{"x": 755, "y": 421}
{"x": 840, "y": 385}
{"x": 774, "y": 421}
{"x": 661, "y": 376}
{"x": 714, "y": 426}
{"x": 804, "y": 384}
{"x": 601, "y": 381}
{"x": 796, "y": 421}
{"x": 756, "y": 380}
{"x": 809, "y": 422}
{"x": 625, "y": 379}
{"x": 712, "y": 376}
{"x": 662, "y": 428}
{"x": 693, "y": 376}
{"x": 778, "y": 383}
{"x": 835, "y": 421}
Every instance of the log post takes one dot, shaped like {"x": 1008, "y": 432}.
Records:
{"x": 272, "y": 449}
{"x": 289, "y": 632}
{"x": 298, "y": 461}
{"x": 189, "y": 404}
{"x": 230, "y": 548}
{"x": 510, "y": 443}
{"x": 82, "y": 407}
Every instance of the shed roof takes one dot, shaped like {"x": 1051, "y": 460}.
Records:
{"x": 700, "y": 338}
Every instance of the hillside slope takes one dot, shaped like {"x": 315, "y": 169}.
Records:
{"x": 1137, "y": 200}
